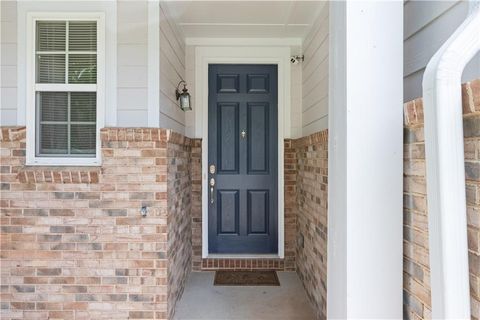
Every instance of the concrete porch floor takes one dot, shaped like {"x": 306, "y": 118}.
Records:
{"x": 203, "y": 300}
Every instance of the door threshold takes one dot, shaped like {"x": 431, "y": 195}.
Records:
{"x": 242, "y": 256}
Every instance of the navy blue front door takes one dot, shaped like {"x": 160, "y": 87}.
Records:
{"x": 242, "y": 159}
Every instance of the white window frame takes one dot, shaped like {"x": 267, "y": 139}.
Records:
{"x": 32, "y": 88}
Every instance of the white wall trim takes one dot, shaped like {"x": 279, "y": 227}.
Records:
{"x": 109, "y": 9}
{"x": 247, "y": 55}
{"x": 337, "y": 163}
{"x": 260, "y": 42}
{"x": 447, "y": 223}
{"x": 153, "y": 99}
{"x": 31, "y": 88}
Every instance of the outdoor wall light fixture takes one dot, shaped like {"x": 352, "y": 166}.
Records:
{"x": 183, "y": 97}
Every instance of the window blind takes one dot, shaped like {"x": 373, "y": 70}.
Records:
{"x": 83, "y": 126}
{"x": 82, "y": 36}
{"x": 66, "y": 120}
{"x": 51, "y": 35}
{"x": 82, "y": 68}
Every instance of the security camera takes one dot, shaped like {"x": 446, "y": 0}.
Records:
{"x": 296, "y": 59}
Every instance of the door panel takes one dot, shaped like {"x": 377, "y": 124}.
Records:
{"x": 227, "y": 152}
{"x": 227, "y": 212}
{"x": 228, "y": 83}
{"x": 258, "y": 83}
{"x": 258, "y": 211}
{"x": 258, "y": 138}
{"x": 243, "y": 201}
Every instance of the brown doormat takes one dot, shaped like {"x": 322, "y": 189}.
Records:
{"x": 246, "y": 278}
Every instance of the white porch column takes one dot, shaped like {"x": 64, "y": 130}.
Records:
{"x": 365, "y": 160}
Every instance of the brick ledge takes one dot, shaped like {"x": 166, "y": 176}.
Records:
{"x": 18, "y": 133}
{"x": 143, "y": 134}
{"x": 314, "y": 138}
{"x": 10, "y": 133}
{"x": 413, "y": 110}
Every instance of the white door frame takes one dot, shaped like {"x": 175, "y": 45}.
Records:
{"x": 243, "y": 55}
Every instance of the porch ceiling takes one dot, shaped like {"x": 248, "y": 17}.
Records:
{"x": 244, "y": 19}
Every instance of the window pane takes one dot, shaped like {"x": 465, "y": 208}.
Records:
{"x": 83, "y": 139}
{"x": 51, "y": 35}
{"x": 66, "y": 121}
{"x": 82, "y": 68}
{"x": 82, "y": 36}
{"x": 83, "y": 106}
{"x": 53, "y": 106}
{"x": 50, "y": 68}
{"x": 53, "y": 139}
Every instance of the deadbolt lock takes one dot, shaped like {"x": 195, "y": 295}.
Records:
{"x": 212, "y": 169}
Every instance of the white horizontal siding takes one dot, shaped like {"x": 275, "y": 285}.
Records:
{"x": 8, "y": 63}
{"x": 132, "y": 64}
{"x": 134, "y": 98}
{"x": 418, "y": 14}
{"x": 172, "y": 70}
{"x": 315, "y": 76}
{"x": 427, "y": 25}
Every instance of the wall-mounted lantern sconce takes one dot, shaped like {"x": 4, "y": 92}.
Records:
{"x": 183, "y": 97}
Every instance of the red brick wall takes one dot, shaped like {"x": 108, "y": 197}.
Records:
{"x": 311, "y": 201}
{"x": 417, "y": 298}
{"x": 197, "y": 205}
{"x": 74, "y": 244}
{"x": 179, "y": 189}
{"x": 290, "y": 194}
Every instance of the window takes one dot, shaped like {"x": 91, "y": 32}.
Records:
{"x": 66, "y": 92}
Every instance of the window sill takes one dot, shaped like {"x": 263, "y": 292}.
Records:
{"x": 63, "y": 162}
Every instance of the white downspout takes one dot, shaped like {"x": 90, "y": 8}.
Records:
{"x": 450, "y": 289}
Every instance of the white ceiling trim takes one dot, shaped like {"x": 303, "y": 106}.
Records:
{"x": 244, "y": 19}
{"x": 243, "y": 41}
{"x": 242, "y": 24}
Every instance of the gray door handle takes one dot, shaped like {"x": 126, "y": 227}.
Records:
{"x": 212, "y": 190}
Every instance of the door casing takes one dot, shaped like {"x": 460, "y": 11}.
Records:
{"x": 279, "y": 56}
